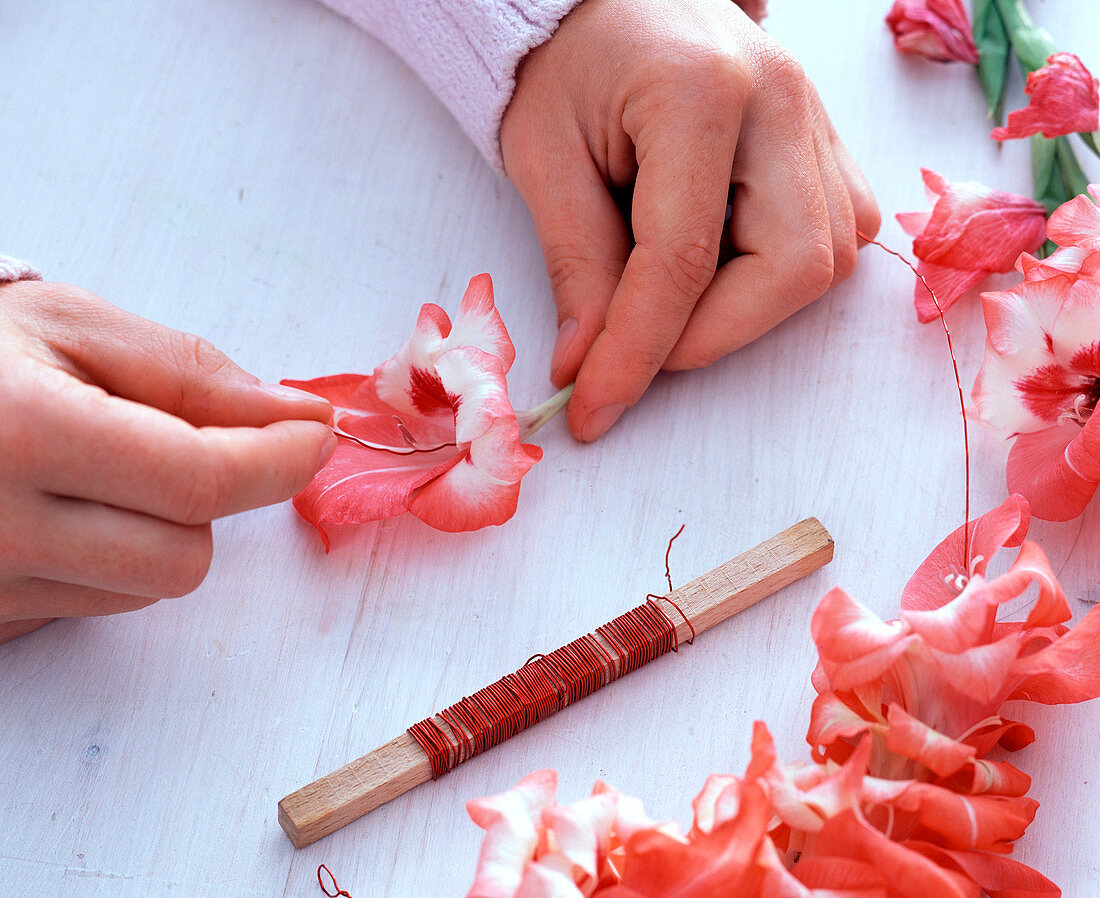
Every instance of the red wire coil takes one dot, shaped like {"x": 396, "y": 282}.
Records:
{"x": 544, "y": 685}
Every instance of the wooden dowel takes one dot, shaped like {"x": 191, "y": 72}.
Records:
{"x": 346, "y": 794}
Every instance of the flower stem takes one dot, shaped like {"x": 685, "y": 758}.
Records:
{"x": 531, "y": 421}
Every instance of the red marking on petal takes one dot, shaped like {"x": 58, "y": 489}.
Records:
{"x": 427, "y": 393}
{"x": 1048, "y": 391}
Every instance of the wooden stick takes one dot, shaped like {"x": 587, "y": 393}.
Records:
{"x": 346, "y": 794}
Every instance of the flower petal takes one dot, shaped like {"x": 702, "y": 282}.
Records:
{"x": 482, "y": 487}
{"x": 947, "y": 283}
{"x": 478, "y": 324}
{"x": 511, "y": 820}
{"x": 935, "y": 29}
{"x": 933, "y": 583}
{"x": 1064, "y": 99}
{"x": 360, "y": 484}
{"x": 1066, "y": 671}
{"x": 854, "y": 644}
{"x": 1058, "y": 469}
{"x": 1077, "y": 222}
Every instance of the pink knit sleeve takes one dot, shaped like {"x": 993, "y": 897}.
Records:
{"x": 17, "y": 270}
{"x": 467, "y": 51}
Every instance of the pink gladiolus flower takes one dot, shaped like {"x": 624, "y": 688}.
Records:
{"x": 431, "y": 431}
{"x": 537, "y": 848}
{"x": 935, "y": 29}
{"x": 970, "y": 233}
{"x": 1065, "y": 98}
{"x": 1040, "y": 381}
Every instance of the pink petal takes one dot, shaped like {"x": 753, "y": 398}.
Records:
{"x": 1032, "y": 566}
{"x": 1064, "y": 99}
{"x": 935, "y": 29}
{"x": 1066, "y": 671}
{"x": 980, "y": 673}
{"x": 1076, "y": 333}
{"x": 408, "y": 382}
{"x": 959, "y": 624}
{"x": 949, "y": 284}
{"x": 910, "y": 875}
{"x": 542, "y": 881}
{"x": 911, "y": 738}
{"x": 983, "y": 822}
{"x": 469, "y": 497}
{"x": 913, "y": 222}
{"x": 832, "y": 720}
{"x": 1058, "y": 469}
{"x": 974, "y": 227}
{"x": 716, "y": 803}
{"x": 932, "y": 585}
{"x": 511, "y": 820}
{"x": 854, "y": 644}
{"x": 582, "y": 833}
{"x": 360, "y": 484}
{"x": 983, "y": 775}
{"x": 478, "y": 324}
{"x": 720, "y": 862}
{"x": 997, "y": 876}
{"x": 1077, "y": 222}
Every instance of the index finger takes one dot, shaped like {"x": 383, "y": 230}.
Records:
{"x": 685, "y": 159}
{"x": 105, "y": 449}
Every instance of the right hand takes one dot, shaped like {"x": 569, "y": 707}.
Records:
{"x": 120, "y": 441}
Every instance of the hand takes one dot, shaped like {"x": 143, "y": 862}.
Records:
{"x": 678, "y": 101}
{"x": 120, "y": 441}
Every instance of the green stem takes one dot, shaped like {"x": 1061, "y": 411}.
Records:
{"x": 532, "y": 420}
{"x": 1031, "y": 43}
{"x": 1073, "y": 175}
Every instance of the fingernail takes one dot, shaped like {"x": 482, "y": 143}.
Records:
{"x": 327, "y": 449}
{"x": 600, "y": 421}
{"x": 566, "y": 333}
{"x": 285, "y": 392}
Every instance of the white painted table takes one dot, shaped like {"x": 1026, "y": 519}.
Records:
{"x": 263, "y": 174}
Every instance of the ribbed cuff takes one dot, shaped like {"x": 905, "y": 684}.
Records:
{"x": 17, "y": 270}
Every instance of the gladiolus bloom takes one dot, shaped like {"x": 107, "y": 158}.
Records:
{"x": 1065, "y": 98}
{"x": 1040, "y": 381}
{"x": 970, "y": 233}
{"x": 935, "y": 29}
{"x": 431, "y": 431}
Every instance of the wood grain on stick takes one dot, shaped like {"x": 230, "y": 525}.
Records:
{"x": 336, "y": 799}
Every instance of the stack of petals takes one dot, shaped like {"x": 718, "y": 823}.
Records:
{"x": 935, "y": 29}
{"x": 1040, "y": 381}
{"x": 970, "y": 233}
{"x": 901, "y": 801}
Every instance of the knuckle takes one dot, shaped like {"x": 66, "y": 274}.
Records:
{"x": 189, "y": 565}
{"x": 690, "y": 263}
{"x": 203, "y": 491}
{"x": 199, "y": 354}
{"x": 565, "y": 266}
{"x": 813, "y": 272}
